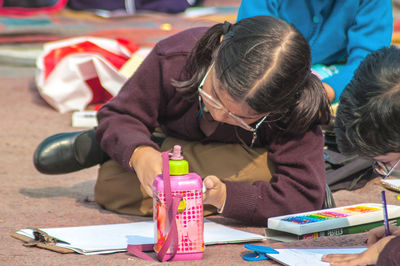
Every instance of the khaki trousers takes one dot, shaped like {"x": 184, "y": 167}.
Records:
{"x": 119, "y": 190}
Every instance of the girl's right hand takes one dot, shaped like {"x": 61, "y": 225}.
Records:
{"x": 374, "y": 235}
{"x": 368, "y": 257}
{"x": 147, "y": 163}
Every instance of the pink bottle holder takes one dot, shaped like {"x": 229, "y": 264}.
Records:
{"x": 189, "y": 218}
{"x": 186, "y": 190}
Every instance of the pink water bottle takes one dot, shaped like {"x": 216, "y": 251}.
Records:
{"x": 186, "y": 187}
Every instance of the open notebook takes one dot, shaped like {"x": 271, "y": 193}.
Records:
{"x": 103, "y": 239}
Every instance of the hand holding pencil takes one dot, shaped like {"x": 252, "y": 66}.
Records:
{"x": 376, "y": 234}
{"x": 377, "y": 240}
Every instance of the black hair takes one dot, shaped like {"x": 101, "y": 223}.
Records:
{"x": 368, "y": 116}
{"x": 265, "y": 62}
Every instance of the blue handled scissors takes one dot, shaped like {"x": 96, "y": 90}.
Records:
{"x": 259, "y": 252}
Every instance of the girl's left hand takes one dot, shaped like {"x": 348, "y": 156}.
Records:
{"x": 368, "y": 257}
{"x": 215, "y": 193}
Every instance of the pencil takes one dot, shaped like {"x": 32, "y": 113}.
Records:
{"x": 385, "y": 214}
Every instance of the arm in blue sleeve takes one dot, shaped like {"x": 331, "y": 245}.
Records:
{"x": 372, "y": 30}
{"x": 251, "y": 8}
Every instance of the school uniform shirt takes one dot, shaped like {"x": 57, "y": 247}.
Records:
{"x": 148, "y": 100}
{"x": 390, "y": 255}
{"x": 337, "y": 30}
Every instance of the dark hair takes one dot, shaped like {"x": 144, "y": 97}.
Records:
{"x": 265, "y": 62}
{"x": 368, "y": 116}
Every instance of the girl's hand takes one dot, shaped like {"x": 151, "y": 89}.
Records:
{"x": 215, "y": 193}
{"x": 368, "y": 257}
{"x": 374, "y": 235}
{"x": 147, "y": 163}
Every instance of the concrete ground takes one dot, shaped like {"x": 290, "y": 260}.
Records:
{"x": 31, "y": 199}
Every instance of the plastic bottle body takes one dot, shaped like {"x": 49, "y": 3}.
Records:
{"x": 189, "y": 218}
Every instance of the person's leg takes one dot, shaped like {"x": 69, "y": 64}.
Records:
{"x": 229, "y": 162}
{"x": 119, "y": 190}
{"x": 73, "y": 151}
{"x": 68, "y": 152}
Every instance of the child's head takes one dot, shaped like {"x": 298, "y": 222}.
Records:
{"x": 368, "y": 116}
{"x": 264, "y": 63}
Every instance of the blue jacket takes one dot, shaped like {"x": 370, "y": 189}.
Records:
{"x": 337, "y": 30}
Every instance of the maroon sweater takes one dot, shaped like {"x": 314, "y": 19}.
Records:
{"x": 148, "y": 100}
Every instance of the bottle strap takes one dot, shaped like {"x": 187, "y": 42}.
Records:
{"x": 172, "y": 204}
{"x": 139, "y": 251}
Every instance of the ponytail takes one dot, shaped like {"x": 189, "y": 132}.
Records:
{"x": 312, "y": 107}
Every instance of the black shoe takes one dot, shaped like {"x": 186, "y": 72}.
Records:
{"x": 68, "y": 152}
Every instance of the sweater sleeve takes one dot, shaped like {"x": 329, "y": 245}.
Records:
{"x": 297, "y": 185}
{"x": 128, "y": 119}
{"x": 148, "y": 99}
{"x": 390, "y": 255}
{"x": 371, "y": 30}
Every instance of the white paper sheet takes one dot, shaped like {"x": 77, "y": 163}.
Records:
{"x": 307, "y": 257}
{"x": 101, "y": 239}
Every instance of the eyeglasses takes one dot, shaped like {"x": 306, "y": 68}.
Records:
{"x": 207, "y": 98}
{"x": 218, "y": 105}
{"x": 382, "y": 169}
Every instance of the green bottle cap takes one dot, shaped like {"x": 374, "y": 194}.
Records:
{"x": 178, "y": 167}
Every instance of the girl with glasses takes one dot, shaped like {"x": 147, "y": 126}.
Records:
{"x": 241, "y": 101}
